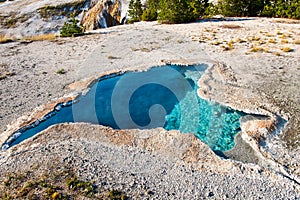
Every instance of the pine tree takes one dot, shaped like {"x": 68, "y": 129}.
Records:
{"x": 180, "y": 11}
{"x": 198, "y": 7}
{"x": 237, "y": 8}
{"x": 71, "y": 28}
{"x": 150, "y": 13}
{"x": 135, "y": 11}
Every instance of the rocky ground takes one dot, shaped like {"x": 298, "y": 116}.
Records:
{"x": 263, "y": 54}
{"x": 150, "y": 164}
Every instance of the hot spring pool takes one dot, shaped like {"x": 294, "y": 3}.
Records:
{"x": 163, "y": 96}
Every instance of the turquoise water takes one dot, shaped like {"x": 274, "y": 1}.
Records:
{"x": 164, "y": 96}
{"x": 217, "y": 125}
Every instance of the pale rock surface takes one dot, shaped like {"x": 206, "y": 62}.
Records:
{"x": 165, "y": 162}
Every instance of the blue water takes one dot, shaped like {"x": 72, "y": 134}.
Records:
{"x": 164, "y": 96}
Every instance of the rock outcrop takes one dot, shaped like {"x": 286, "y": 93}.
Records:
{"x": 102, "y": 14}
{"x": 27, "y": 17}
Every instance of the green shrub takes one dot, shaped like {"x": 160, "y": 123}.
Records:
{"x": 268, "y": 11}
{"x": 71, "y": 28}
{"x": 282, "y": 8}
{"x": 61, "y": 71}
{"x": 198, "y": 8}
{"x": 116, "y": 195}
{"x": 211, "y": 10}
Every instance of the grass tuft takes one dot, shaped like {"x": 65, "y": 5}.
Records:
{"x": 229, "y": 46}
{"x": 269, "y": 35}
{"x": 272, "y": 40}
{"x": 239, "y": 40}
{"x": 277, "y": 53}
{"x": 5, "y": 72}
{"x": 260, "y": 42}
{"x": 287, "y": 49}
{"x": 61, "y": 71}
{"x": 84, "y": 186}
{"x": 116, "y": 194}
{"x": 113, "y": 57}
{"x": 259, "y": 49}
{"x": 217, "y": 43}
{"x": 255, "y": 38}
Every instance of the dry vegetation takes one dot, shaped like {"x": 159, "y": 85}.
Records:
{"x": 272, "y": 40}
{"x": 229, "y": 46}
{"x": 239, "y": 40}
{"x": 287, "y": 21}
{"x": 113, "y": 57}
{"x": 217, "y": 42}
{"x": 5, "y": 39}
{"x": 277, "y": 53}
{"x": 57, "y": 181}
{"x": 231, "y": 26}
{"x": 259, "y": 49}
{"x": 49, "y": 37}
{"x": 61, "y": 71}
{"x": 287, "y": 49}
{"x": 12, "y": 19}
{"x": 5, "y": 72}
{"x": 263, "y": 41}
{"x": 63, "y": 9}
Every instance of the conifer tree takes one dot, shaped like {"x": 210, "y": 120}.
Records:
{"x": 71, "y": 28}
{"x": 180, "y": 11}
{"x": 135, "y": 10}
{"x": 151, "y": 10}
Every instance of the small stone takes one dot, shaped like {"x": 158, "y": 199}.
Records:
{"x": 5, "y": 147}
{"x": 131, "y": 183}
{"x": 210, "y": 194}
{"x": 149, "y": 192}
